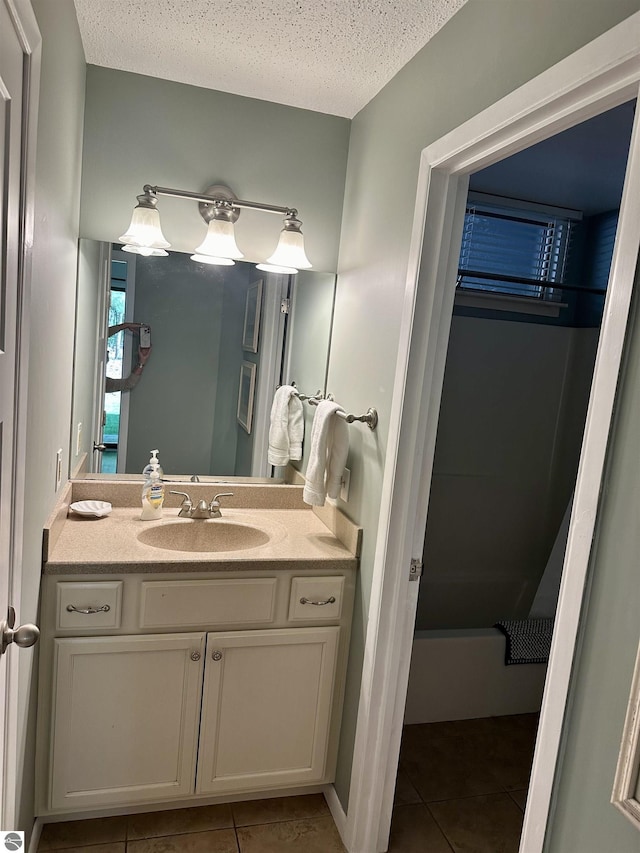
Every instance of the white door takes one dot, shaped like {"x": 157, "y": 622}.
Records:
{"x": 125, "y": 722}
{"x": 266, "y": 709}
{"x": 17, "y": 28}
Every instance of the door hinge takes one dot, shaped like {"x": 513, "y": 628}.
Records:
{"x": 415, "y": 570}
{"x": 284, "y": 306}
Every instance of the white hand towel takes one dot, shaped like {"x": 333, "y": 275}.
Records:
{"x": 328, "y": 455}
{"x": 287, "y": 427}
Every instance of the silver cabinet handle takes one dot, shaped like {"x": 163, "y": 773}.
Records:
{"x": 88, "y": 610}
{"x": 195, "y": 655}
{"x": 217, "y": 655}
{"x": 330, "y": 600}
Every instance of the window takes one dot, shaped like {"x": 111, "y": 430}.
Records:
{"x": 514, "y": 252}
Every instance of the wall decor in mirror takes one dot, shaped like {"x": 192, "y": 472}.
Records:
{"x": 626, "y": 786}
{"x": 178, "y": 387}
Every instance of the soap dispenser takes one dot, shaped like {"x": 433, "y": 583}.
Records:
{"x": 152, "y": 490}
{"x": 154, "y": 462}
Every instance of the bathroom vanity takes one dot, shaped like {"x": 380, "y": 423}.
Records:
{"x": 192, "y": 676}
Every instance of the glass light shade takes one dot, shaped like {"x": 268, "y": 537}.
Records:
{"x": 145, "y": 250}
{"x": 289, "y": 254}
{"x": 275, "y": 268}
{"x": 212, "y": 259}
{"x": 144, "y": 229}
{"x": 220, "y": 242}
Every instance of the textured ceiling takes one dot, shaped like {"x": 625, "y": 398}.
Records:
{"x": 332, "y": 56}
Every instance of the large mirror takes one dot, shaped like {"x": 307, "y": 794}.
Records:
{"x": 222, "y": 339}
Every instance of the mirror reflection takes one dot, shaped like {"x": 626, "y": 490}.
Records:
{"x": 196, "y": 354}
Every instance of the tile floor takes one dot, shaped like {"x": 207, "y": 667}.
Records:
{"x": 461, "y": 788}
{"x": 284, "y": 825}
{"x": 462, "y": 785}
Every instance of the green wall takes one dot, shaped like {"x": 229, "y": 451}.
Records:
{"x": 52, "y": 307}
{"x": 143, "y": 130}
{"x": 584, "y": 821}
{"x": 488, "y": 49}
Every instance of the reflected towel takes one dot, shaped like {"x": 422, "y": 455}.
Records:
{"x": 328, "y": 454}
{"x": 286, "y": 429}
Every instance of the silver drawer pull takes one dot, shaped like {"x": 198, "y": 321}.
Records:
{"x": 217, "y": 655}
{"x": 88, "y": 610}
{"x": 330, "y": 600}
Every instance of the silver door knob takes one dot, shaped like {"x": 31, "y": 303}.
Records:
{"x": 195, "y": 655}
{"x": 217, "y": 655}
{"x": 24, "y": 636}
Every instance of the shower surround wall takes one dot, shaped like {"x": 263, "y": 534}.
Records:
{"x": 509, "y": 437}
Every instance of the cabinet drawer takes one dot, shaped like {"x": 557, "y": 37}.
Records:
{"x": 311, "y": 599}
{"x": 89, "y": 605}
{"x": 185, "y": 604}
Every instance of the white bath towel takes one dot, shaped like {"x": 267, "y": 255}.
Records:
{"x": 286, "y": 430}
{"x": 328, "y": 454}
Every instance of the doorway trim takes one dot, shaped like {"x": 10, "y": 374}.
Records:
{"x": 597, "y": 77}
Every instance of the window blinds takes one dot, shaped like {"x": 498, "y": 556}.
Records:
{"x": 512, "y": 252}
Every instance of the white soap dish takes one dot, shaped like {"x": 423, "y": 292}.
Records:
{"x": 97, "y": 509}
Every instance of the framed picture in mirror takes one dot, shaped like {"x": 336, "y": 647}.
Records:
{"x": 245, "y": 394}
{"x": 626, "y": 787}
{"x": 252, "y": 317}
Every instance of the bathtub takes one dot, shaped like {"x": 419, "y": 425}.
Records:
{"x": 460, "y": 674}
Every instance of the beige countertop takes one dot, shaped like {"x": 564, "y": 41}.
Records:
{"x": 298, "y": 539}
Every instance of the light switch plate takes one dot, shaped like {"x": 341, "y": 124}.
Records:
{"x": 58, "y": 468}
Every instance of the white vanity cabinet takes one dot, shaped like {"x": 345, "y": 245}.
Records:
{"x": 155, "y": 704}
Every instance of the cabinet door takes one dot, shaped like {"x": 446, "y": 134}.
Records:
{"x": 125, "y": 717}
{"x": 266, "y": 709}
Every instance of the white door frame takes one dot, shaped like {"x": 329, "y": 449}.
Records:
{"x": 29, "y": 32}
{"x": 598, "y": 77}
{"x": 274, "y": 290}
{"x": 128, "y": 353}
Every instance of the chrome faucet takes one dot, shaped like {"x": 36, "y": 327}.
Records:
{"x": 202, "y": 509}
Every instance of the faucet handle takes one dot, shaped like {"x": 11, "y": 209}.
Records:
{"x": 215, "y": 500}
{"x": 186, "y": 506}
{"x": 214, "y": 506}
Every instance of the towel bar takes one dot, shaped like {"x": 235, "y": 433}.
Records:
{"x": 370, "y": 417}
{"x": 310, "y": 397}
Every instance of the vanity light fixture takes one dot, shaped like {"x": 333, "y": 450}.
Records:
{"x": 220, "y": 209}
{"x": 144, "y": 235}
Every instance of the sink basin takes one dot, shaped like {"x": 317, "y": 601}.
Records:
{"x": 204, "y": 536}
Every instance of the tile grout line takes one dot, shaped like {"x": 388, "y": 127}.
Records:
{"x": 514, "y": 799}
{"x": 468, "y": 797}
{"x": 283, "y": 820}
{"x": 437, "y": 823}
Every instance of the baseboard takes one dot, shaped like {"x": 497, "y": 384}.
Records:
{"x": 337, "y": 813}
{"x": 36, "y": 832}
